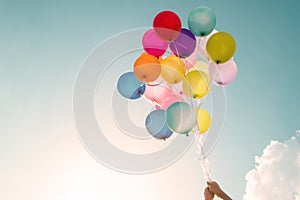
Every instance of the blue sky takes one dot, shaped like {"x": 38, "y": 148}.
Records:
{"x": 44, "y": 43}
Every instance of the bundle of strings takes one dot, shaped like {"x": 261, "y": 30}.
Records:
{"x": 204, "y": 161}
{"x": 200, "y": 139}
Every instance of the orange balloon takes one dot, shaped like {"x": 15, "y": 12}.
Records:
{"x": 147, "y": 68}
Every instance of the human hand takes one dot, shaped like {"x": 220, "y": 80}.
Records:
{"x": 216, "y": 189}
{"x": 208, "y": 195}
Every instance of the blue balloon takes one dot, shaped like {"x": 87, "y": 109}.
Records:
{"x": 156, "y": 124}
{"x": 130, "y": 87}
{"x": 202, "y": 21}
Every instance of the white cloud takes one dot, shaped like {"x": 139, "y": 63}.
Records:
{"x": 277, "y": 173}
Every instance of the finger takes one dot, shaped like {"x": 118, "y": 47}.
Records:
{"x": 208, "y": 188}
{"x": 209, "y": 183}
{"x": 206, "y": 191}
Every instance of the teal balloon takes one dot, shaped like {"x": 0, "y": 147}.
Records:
{"x": 156, "y": 124}
{"x": 201, "y": 21}
{"x": 130, "y": 87}
{"x": 181, "y": 117}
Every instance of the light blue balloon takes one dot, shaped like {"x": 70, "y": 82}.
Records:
{"x": 180, "y": 117}
{"x": 201, "y": 21}
{"x": 156, "y": 124}
{"x": 130, "y": 87}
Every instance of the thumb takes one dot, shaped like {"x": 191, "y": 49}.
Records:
{"x": 208, "y": 183}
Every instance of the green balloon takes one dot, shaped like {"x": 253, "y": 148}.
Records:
{"x": 180, "y": 117}
{"x": 201, "y": 21}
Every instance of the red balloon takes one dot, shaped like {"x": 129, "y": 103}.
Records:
{"x": 167, "y": 25}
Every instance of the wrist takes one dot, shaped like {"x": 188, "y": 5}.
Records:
{"x": 223, "y": 196}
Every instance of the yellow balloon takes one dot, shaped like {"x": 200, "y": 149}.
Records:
{"x": 201, "y": 66}
{"x": 196, "y": 84}
{"x": 220, "y": 47}
{"x": 172, "y": 69}
{"x": 203, "y": 120}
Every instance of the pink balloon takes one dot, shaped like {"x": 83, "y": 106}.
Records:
{"x": 223, "y": 74}
{"x": 153, "y": 44}
{"x": 161, "y": 95}
{"x": 169, "y": 101}
{"x": 158, "y": 107}
{"x": 178, "y": 90}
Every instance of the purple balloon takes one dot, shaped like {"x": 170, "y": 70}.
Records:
{"x": 184, "y": 45}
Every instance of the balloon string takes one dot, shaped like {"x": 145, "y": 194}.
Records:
{"x": 199, "y": 43}
{"x": 199, "y": 142}
{"x": 202, "y": 38}
{"x": 219, "y": 77}
{"x": 177, "y": 52}
{"x": 204, "y": 161}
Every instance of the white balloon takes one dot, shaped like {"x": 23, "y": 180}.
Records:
{"x": 201, "y": 44}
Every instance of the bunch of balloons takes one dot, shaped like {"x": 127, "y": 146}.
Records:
{"x": 176, "y": 69}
